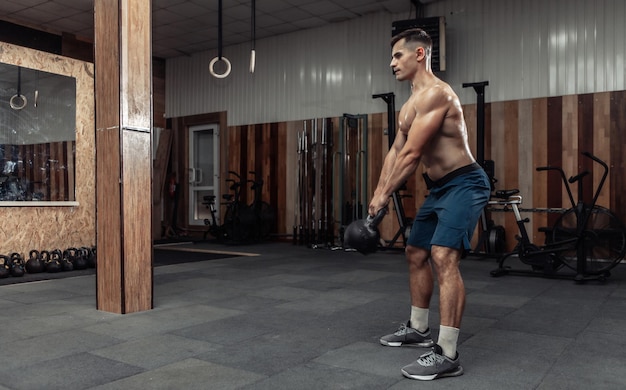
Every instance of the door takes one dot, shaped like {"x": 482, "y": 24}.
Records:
{"x": 203, "y": 170}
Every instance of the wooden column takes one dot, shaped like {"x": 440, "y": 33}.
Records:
{"x": 123, "y": 60}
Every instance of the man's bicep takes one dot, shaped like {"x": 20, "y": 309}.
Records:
{"x": 424, "y": 128}
{"x": 399, "y": 141}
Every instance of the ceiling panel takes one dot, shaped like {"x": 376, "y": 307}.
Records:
{"x": 182, "y": 27}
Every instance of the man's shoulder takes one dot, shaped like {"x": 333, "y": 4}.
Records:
{"x": 437, "y": 93}
{"x": 441, "y": 88}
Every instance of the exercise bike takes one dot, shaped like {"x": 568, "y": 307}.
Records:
{"x": 585, "y": 243}
{"x": 243, "y": 223}
{"x": 261, "y": 217}
{"x": 232, "y": 230}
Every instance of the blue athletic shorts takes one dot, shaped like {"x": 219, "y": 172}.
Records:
{"x": 451, "y": 210}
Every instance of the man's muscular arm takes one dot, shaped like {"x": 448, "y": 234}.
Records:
{"x": 390, "y": 160}
{"x": 428, "y": 121}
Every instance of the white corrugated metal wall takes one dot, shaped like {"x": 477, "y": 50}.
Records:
{"x": 535, "y": 48}
{"x": 313, "y": 73}
{"x": 525, "y": 49}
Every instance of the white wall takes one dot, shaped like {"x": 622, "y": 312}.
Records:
{"x": 525, "y": 49}
{"x": 535, "y": 48}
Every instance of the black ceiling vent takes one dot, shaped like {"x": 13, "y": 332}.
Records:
{"x": 436, "y": 28}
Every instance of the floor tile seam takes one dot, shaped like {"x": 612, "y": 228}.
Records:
{"x": 332, "y": 296}
{"x": 494, "y": 299}
{"x": 21, "y": 284}
{"x": 531, "y": 355}
{"x": 555, "y": 362}
{"x": 588, "y": 330}
{"x": 194, "y": 355}
{"x": 576, "y": 304}
{"x": 191, "y": 320}
{"x": 93, "y": 353}
{"x": 493, "y": 328}
{"x": 236, "y": 366}
{"x": 490, "y": 381}
{"x": 324, "y": 297}
{"x": 80, "y": 328}
{"x": 595, "y": 316}
{"x": 393, "y": 374}
{"x": 37, "y": 359}
{"x": 611, "y": 316}
{"x": 220, "y": 303}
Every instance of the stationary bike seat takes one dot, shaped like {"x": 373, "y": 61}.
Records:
{"x": 505, "y": 194}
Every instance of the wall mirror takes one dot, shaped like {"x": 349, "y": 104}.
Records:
{"x": 37, "y": 136}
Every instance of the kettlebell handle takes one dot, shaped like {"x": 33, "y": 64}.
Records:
{"x": 377, "y": 219}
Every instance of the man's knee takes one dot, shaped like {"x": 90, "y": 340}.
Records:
{"x": 445, "y": 258}
{"x": 416, "y": 256}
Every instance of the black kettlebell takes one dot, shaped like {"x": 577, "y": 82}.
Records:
{"x": 53, "y": 265}
{"x": 66, "y": 261}
{"x": 16, "y": 266}
{"x": 34, "y": 265}
{"x": 44, "y": 255}
{"x": 78, "y": 259}
{"x": 94, "y": 256}
{"x": 363, "y": 235}
{"x": 5, "y": 270}
{"x": 89, "y": 256}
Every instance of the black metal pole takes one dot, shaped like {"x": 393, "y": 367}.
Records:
{"x": 480, "y": 119}
{"x": 390, "y": 99}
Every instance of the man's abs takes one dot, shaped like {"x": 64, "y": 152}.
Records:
{"x": 446, "y": 155}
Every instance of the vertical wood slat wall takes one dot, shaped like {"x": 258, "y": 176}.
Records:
{"x": 519, "y": 136}
{"x": 51, "y": 172}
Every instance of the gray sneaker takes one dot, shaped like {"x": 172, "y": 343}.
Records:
{"x": 433, "y": 365}
{"x": 408, "y": 336}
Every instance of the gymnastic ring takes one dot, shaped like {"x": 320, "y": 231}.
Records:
{"x": 212, "y": 64}
{"x": 16, "y": 106}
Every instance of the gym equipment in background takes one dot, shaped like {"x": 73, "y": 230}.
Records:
{"x": 492, "y": 238}
{"x": 242, "y": 223}
{"x": 313, "y": 213}
{"x": 585, "y": 243}
{"x": 219, "y": 57}
{"x": 403, "y": 222}
{"x": 350, "y": 168}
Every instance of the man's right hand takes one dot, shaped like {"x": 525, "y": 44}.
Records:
{"x": 377, "y": 203}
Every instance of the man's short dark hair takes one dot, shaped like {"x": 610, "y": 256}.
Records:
{"x": 413, "y": 35}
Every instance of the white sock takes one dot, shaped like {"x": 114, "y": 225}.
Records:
{"x": 448, "y": 337}
{"x": 419, "y": 318}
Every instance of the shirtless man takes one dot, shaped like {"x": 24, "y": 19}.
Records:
{"x": 432, "y": 131}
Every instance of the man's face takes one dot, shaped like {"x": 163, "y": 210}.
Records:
{"x": 404, "y": 60}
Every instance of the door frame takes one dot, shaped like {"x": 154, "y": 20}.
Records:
{"x": 180, "y": 159}
{"x": 195, "y": 172}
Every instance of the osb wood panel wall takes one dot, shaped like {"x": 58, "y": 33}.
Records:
{"x": 519, "y": 136}
{"x": 26, "y": 228}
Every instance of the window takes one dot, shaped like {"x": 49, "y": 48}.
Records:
{"x": 37, "y": 135}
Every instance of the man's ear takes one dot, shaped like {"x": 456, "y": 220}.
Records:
{"x": 420, "y": 52}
